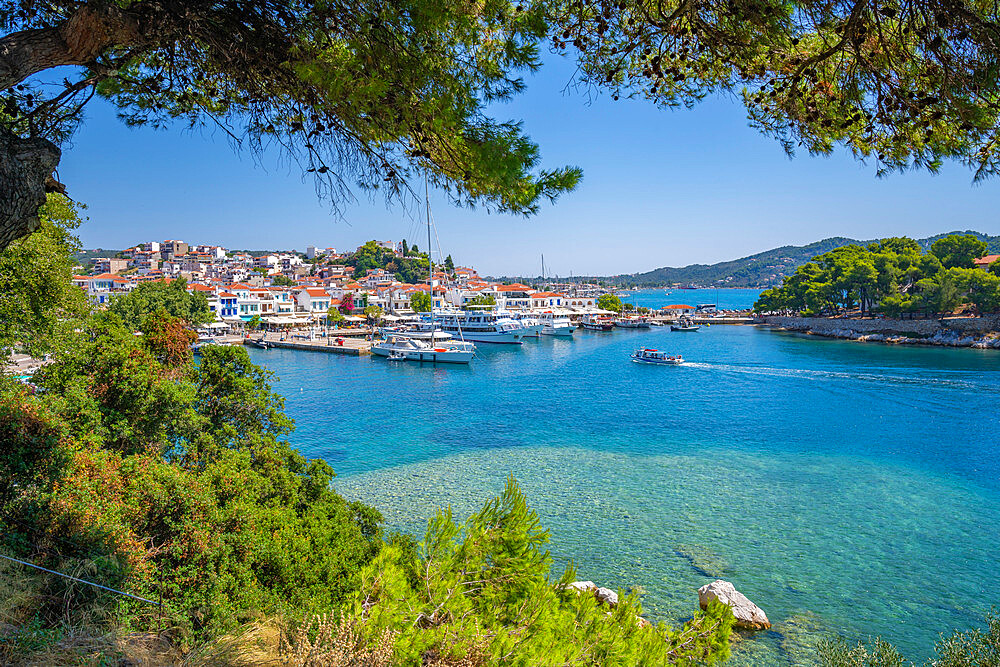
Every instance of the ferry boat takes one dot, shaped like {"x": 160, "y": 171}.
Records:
{"x": 593, "y": 323}
{"x": 481, "y": 326}
{"x": 398, "y": 348}
{"x": 632, "y": 323}
{"x": 653, "y": 356}
{"x": 556, "y": 325}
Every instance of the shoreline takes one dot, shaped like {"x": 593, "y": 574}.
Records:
{"x": 982, "y": 333}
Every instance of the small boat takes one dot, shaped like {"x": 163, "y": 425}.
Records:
{"x": 684, "y": 324}
{"x": 396, "y": 356}
{"x": 653, "y": 356}
{"x": 261, "y": 343}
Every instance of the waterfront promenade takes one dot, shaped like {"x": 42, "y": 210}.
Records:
{"x": 354, "y": 344}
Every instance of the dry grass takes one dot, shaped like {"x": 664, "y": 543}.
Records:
{"x": 329, "y": 641}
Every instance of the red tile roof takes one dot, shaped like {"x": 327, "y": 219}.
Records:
{"x": 986, "y": 261}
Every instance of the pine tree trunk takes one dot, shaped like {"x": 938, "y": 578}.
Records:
{"x": 26, "y": 165}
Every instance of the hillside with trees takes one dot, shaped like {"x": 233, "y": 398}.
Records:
{"x": 411, "y": 267}
{"x": 892, "y": 277}
{"x": 764, "y": 269}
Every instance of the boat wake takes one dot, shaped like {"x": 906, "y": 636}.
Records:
{"x": 815, "y": 374}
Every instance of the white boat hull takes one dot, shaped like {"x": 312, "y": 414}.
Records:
{"x": 440, "y": 356}
{"x": 563, "y": 332}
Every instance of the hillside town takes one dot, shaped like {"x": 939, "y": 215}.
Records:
{"x": 295, "y": 289}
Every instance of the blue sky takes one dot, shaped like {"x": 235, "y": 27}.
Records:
{"x": 660, "y": 188}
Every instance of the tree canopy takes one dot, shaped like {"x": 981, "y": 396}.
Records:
{"x": 38, "y": 300}
{"x": 420, "y": 302}
{"x": 892, "y": 276}
{"x": 363, "y": 95}
{"x": 609, "y": 302}
{"x": 900, "y": 84}
{"x": 132, "y": 307}
{"x": 371, "y": 96}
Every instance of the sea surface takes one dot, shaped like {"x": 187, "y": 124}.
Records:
{"x": 847, "y": 488}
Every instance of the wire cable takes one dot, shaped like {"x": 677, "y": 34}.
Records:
{"x": 82, "y": 581}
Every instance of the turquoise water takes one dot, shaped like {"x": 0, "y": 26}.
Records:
{"x": 847, "y": 488}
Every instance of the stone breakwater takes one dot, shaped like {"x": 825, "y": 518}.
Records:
{"x": 977, "y": 332}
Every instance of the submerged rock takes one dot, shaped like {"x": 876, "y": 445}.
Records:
{"x": 748, "y": 615}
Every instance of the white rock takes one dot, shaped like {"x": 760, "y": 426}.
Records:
{"x": 748, "y": 615}
{"x": 607, "y": 596}
{"x": 582, "y": 586}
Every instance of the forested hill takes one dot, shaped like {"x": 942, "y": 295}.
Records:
{"x": 764, "y": 269}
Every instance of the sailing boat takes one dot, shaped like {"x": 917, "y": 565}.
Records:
{"x": 434, "y": 350}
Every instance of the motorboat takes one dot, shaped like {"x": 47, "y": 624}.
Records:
{"x": 684, "y": 325}
{"x": 653, "y": 356}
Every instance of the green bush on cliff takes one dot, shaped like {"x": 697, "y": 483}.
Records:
{"x": 141, "y": 472}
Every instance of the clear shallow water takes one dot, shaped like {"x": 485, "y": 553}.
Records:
{"x": 845, "y": 487}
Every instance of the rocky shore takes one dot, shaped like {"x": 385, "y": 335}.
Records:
{"x": 974, "y": 332}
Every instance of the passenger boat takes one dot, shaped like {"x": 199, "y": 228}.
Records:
{"x": 482, "y": 326}
{"x": 556, "y": 325}
{"x": 653, "y": 356}
{"x": 398, "y": 348}
{"x": 592, "y": 323}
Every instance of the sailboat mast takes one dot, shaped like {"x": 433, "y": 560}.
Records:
{"x": 430, "y": 262}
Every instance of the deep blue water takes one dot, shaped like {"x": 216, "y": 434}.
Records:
{"x": 847, "y": 488}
